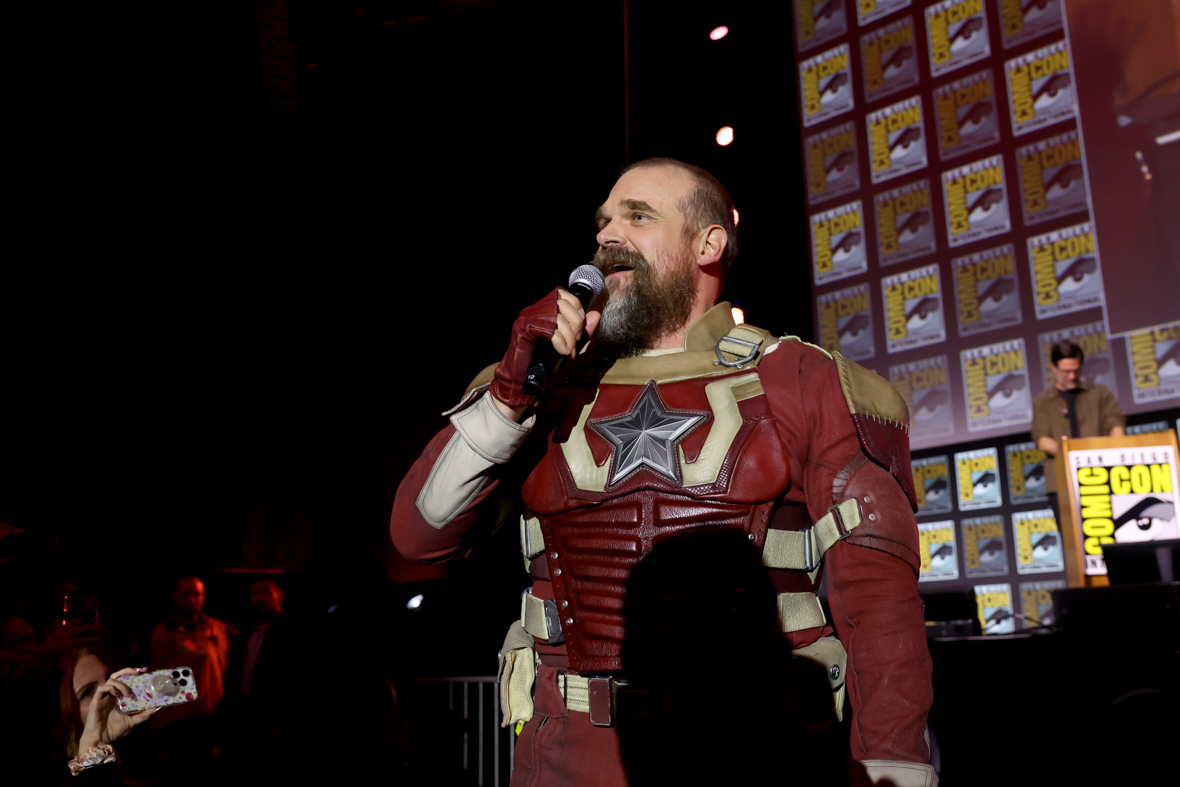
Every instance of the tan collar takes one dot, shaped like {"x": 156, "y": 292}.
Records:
{"x": 708, "y": 330}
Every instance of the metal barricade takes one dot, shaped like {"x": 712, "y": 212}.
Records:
{"x": 453, "y": 733}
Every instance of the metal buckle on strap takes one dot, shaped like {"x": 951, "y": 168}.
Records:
{"x": 838, "y": 517}
{"x": 738, "y": 363}
{"x": 553, "y": 622}
{"x": 808, "y": 550}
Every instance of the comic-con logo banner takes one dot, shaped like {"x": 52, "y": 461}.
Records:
{"x": 832, "y": 165}
{"x": 1154, "y": 358}
{"x": 872, "y": 10}
{"x": 838, "y": 243}
{"x": 985, "y": 546}
{"x": 846, "y": 322}
{"x": 1123, "y": 495}
{"x": 889, "y": 59}
{"x": 994, "y": 603}
{"x": 937, "y": 551}
{"x": 1065, "y": 270}
{"x": 825, "y": 82}
{"x": 897, "y": 140}
{"x": 818, "y": 21}
{"x": 1024, "y": 20}
{"x": 1040, "y": 88}
{"x": 978, "y": 474}
{"x": 986, "y": 291}
{"x": 1038, "y": 542}
{"x": 905, "y": 223}
{"x": 925, "y": 387}
{"x": 995, "y": 379}
{"x": 932, "y": 483}
{"x": 956, "y": 35}
{"x": 976, "y": 201}
{"x": 1052, "y": 178}
{"x": 1036, "y": 602}
{"x": 914, "y": 310}
{"x": 1098, "y": 367}
{"x": 1026, "y": 473}
{"x": 967, "y": 116}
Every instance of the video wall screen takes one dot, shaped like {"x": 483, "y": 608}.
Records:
{"x": 952, "y": 235}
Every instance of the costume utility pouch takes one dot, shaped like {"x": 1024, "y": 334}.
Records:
{"x": 518, "y": 672}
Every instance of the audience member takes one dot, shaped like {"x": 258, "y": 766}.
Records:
{"x": 190, "y": 638}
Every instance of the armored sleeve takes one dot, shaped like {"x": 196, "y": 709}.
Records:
{"x": 438, "y": 501}
{"x": 846, "y": 428}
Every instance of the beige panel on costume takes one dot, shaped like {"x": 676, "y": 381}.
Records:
{"x": 799, "y": 611}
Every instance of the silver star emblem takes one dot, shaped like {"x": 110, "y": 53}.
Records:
{"x": 649, "y": 435}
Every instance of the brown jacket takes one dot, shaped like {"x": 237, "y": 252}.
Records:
{"x": 1097, "y": 410}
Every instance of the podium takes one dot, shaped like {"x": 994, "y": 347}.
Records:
{"x": 1114, "y": 490}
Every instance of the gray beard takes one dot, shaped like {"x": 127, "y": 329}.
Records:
{"x": 646, "y": 309}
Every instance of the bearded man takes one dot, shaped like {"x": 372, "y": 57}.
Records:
{"x": 675, "y": 421}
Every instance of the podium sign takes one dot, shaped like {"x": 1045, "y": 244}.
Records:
{"x": 1115, "y": 490}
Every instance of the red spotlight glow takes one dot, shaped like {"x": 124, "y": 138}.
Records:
{"x": 718, "y": 33}
{"x": 724, "y": 135}
{"x": 737, "y": 217}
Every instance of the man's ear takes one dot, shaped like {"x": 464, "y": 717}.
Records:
{"x": 711, "y": 244}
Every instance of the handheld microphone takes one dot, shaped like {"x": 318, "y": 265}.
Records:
{"x": 586, "y": 284}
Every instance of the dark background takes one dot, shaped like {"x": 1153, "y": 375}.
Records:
{"x": 230, "y": 331}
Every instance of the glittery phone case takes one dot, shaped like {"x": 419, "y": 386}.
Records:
{"x": 162, "y": 687}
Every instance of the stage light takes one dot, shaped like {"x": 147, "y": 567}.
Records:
{"x": 332, "y": 608}
{"x": 1171, "y": 136}
{"x": 739, "y": 316}
{"x": 737, "y": 217}
{"x": 724, "y": 135}
{"x": 718, "y": 33}
{"x": 415, "y": 602}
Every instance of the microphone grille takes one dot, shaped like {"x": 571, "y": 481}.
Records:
{"x": 589, "y": 276}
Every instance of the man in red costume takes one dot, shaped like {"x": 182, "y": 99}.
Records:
{"x": 675, "y": 421}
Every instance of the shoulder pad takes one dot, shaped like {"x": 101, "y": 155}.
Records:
{"x": 791, "y": 338}
{"x": 882, "y": 420}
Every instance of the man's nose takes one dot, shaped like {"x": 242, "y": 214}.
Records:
{"x": 609, "y": 236}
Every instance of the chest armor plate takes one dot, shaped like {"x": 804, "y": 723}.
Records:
{"x": 630, "y": 465}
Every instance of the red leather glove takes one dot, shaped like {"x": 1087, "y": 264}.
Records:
{"x": 534, "y": 327}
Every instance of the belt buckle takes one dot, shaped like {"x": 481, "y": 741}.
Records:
{"x": 553, "y": 622}
{"x": 600, "y": 692}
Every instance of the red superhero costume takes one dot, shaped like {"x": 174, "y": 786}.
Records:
{"x": 802, "y": 452}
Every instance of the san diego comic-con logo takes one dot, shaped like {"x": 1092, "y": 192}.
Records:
{"x": 825, "y": 82}
{"x": 937, "y": 551}
{"x": 913, "y": 308}
{"x": 1038, "y": 542}
{"x": 1024, "y": 20}
{"x": 1123, "y": 495}
{"x": 837, "y": 243}
{"x": 905, "y": 223}
{"x": 995, "y": 378}
{"x": 976, "y": 201}
{"x": 846, "y": 322}
{"x": 819, "y": 21}
{"x": 985, "y": 546}
{"x": 1040, "y": 88}
{"x": 889, "y": 58}
{"x": 986, "y": 290}
{"x": 956, "y": 32}
{"x": 967, "y": 117}
{"x": 897, "y": 140}
{"x": 978, "y": 477}
{"x": 1091, "y": 337}
{"x": 1154, "y": 358}
{"x": 833, "y": 168}
{"x": 871, "y": 10}
{"x": 1052, "y": 178}
{"x": 1026, "y": 472}
{"x": 1065, "y": 270}
{"x": 926, "y": 389}
{"x": 994, "y": 604}
{"x": 1036, "y": 602}
{"x": 932, "y": 485}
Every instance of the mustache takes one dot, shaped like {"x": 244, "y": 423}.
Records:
{"x": 607, "y": 259}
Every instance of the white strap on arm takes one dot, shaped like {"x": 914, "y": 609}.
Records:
{"x": 484, "y": 438}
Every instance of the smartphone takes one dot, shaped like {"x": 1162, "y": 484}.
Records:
{"x": 156, "y": 689}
